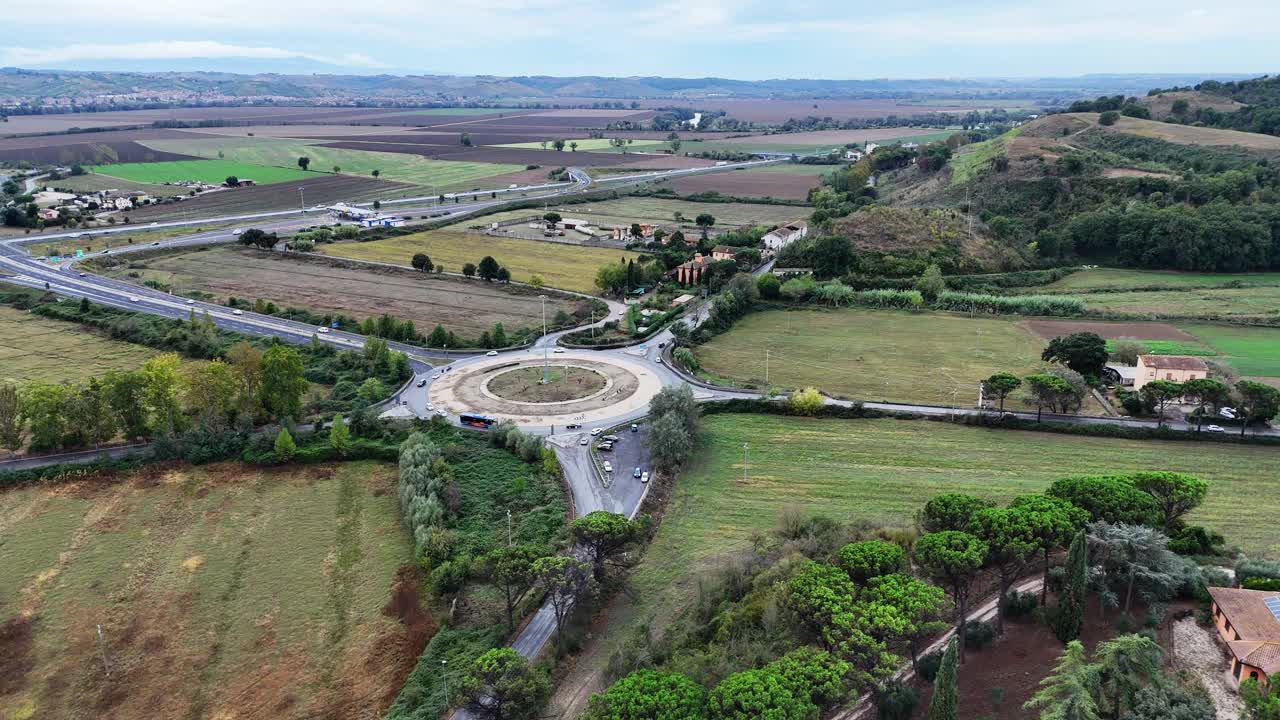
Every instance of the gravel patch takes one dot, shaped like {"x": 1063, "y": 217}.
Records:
{"x": 1197, "y": 650}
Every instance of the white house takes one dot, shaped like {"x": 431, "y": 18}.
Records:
{"x": 775, "y": 240}
{"x": 870, "y": 147}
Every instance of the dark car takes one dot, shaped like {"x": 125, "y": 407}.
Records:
{"x": 572, "y": 426}
{"x": 422, "y": 382}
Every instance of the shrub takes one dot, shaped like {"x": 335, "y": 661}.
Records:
{"x": 1195, "y": 540}
{"x": 806, "y": 401}
{"x": 450, "y": 575}
{"x": 1257, "y": 583}
{"x": 1258, "y": 568}
{"x": 927, "y": 666}
{"x": 978, "y": 635}
{"x": 1054, "y": 305}
{"x": 895, "y": 701}
{"x": 1018, "y": 604}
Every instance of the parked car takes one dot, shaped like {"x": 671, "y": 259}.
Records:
{"x": 1215, "y": 429}
{"x": 636, "y": 473}
{"x": 644, "y": 476}
{"x": 1228, "y": 413}
{"x": 422, "y": 382}
{"x": 608, "y": 466}
{"x": 492, "y": 353}
{"x": 605, "y": 446}
{"x": 635, "y": 427}
{"x": 610, "y": 438}
{"x": 436, "y": 376}
{"x": 596, "y": 431}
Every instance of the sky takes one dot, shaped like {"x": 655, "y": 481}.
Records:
{"x": 741, "y": 39}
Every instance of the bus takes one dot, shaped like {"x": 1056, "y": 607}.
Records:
{"x": 479, "y": 421}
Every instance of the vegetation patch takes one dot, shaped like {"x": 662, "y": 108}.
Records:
{"x": 206, "y": 171}
{"x": 563, "y": 384}
{"x": 37, "y": 348}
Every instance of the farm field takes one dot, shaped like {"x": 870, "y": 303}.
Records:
{"x": 467, "y": 308}
{"x": 1252, "y": 351}
{"x": 882, "y": 471}
{"x": 1251, "y": 302}
{"x": 568, "y": 267}
{"x": 809, "y": 143}
{"x": 317, "y": 189}
{"x": 64, "y": 352}
{"x": 404, "y": 167}
{"x": 92, "y": 182}
{"x": 1190, "y": 135}
{"x": 780, "y": 181}
{"x": 209, "y": 171}
{"x": 929, "y": 358}
{"x": 1121, "y": 278}
{"x": 590, "y": 144}
{"x": 221, "y": 591}
{"x": 629, "y": 209}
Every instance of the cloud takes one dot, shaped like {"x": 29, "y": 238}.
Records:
{"x": 169, "y": 50}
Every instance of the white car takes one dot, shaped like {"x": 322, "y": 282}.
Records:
{"x": 237, "y": 231}
{"x": 492, "y": 353}
{"x": 74, "y": 235}
{"x": 82, "y": 274}
{"x": 191, "y": 302}
{"x": 237, "y": 312}
{"x": 154, "y": 224}
{"x": 558, "y": 350}
{"x": 1228, "y": 413}
{"x": 436, "y": 376}
{"x": 1215, "y": 429}
{"x": 608, "y": 466}
{"x": 644, "y": 477}
{"x": 431, "y": 408}
{"x": 596, "y": 431}
{"x": 442, "y": 413}
{"x": 585, "y": 440}
{"x": 134, "y": 298}
{"x": 322, "y": 330}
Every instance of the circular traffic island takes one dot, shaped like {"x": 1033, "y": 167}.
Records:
{"x": 564, "y": 384}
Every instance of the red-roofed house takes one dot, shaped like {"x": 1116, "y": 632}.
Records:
{"x": 1249, "y": 623}
{"x": 1178, "y": 368}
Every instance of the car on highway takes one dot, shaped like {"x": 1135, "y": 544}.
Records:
{"x": 422, "y": 383}
{"x": 134, "y": 298}
{"x": 635, "y": 427}
{"x": 323, "y": 330}
{"x": 74, "y": 235}
{"x": 155, "y": 243}
{"x": 492, "y": 353}
{"x": 1216, "y": 429}
{"x": 636, "y": 473}
{"x": 82, "y": 274}
{"x": 237, "y": 231}
{"x": 585, "y": 440}
{"x": 644, "y": 476}
{"x": 436, "y": 376}
{"x": 558, "y": 350}
{"x": 154, "y": 224}
{"x": 596, "y": 431}
{"x": 191, "y": 302}
{"x": 659, "y": 359}
{"x": 572, "y": 426}
{"x": 237, "y": 312}
{"x": 106, "y": 252}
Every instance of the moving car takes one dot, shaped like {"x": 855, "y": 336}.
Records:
{"x": 635, "y": 427}
{"x": 636, "y": 473}
{"x": 82, "y": 274}
{"x": 237, "y": 231}
{"x": 644, "y": 476}
{"x": 422, "y": 383}
{"x": 596, "y": 431}
{"x": 322, "y": 329}
{"x": 1215, "y": 429}
{"x": 492, "y": 353}
{"x": 155, "y": 243}
{"x": 134, "y": 298}
{"x": 572, "y": 426}
{"x": 237, "y": 312}
{"x": 191, "y": 302}
{"x": 436, "y": 376}
{"x": 585, "y": 440}
{"x": 558, "y": 350}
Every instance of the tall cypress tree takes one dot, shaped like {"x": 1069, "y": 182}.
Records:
{"x": 1071, "y": 604}
{"x": 945, "y": 702}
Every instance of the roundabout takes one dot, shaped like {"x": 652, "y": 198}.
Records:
{"x": 583, "y": 388}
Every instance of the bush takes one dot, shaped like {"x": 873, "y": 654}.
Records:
{"x": 1196, "y": 540}
{"x": 1018, "y": 604}
{"x": 978, "y": 635}
{"x": 450, "y": 575}
{"x": 1257, "y": 583}
{"x": 927, "y": 666}
{"x": 1053, "y": 305}
{"x": 1258, "y": 569}
{"x": 895, "y": 701}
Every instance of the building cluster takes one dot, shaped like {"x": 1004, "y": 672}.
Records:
{"x": 58, "y": 207}
{"x": 1248, "y": 622}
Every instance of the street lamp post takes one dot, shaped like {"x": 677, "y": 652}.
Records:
{"x": 543, "y": 298}
{"x": 444, "y": 675}
{"x": 508, "y": 528}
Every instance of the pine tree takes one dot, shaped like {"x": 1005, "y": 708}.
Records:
{"x": 1071, "y": 604}
{"x": 945, "y": 702}
{"x": 285, "y": 447}
{"x": 339, "y": 435}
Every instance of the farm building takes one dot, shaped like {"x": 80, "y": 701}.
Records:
{"x": 1121, "y": 375}
{"x": 723, "y": 252}
{"x": 681, "y": 300}
{"x": 622, "y": 232}
{"x": 1178, "y": 368}
{"x": 775, "y": 240}
{"x": 1248, "y": 621}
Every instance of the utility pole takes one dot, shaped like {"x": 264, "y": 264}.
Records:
{"x": 545, "y": 369}
{"x": 302, "y": 200}
{"x": 744, "y": 462}
{"x": 444, "y": 675}
{"x": 508, "y": 528}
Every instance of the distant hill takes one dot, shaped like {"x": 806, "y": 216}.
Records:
{"x": 19, "y": 84}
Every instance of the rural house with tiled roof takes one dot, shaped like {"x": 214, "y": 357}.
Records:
{"x": 1249, "y": 623}
{"x": 1178, "y": 368}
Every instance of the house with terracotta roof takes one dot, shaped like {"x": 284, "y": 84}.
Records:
{"x": 1178, "y": 368}
{"x": 1248, "y": 621}
{"x": 723, "y": 252}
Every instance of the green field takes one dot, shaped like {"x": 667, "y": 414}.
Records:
{"x": 1249, "y": 302}
{"x": 589, "y": 144}
{"x": 972, "y": 159}
{"x": 629, "y": 209}
{"x": 882, "y": 471}
{"x": 209, "y": 171}
{"x": 218, "y": 589}
{"x": 36, "y": 348}
{"x": 92, "y": 182}
{"x": 933, "y": 358}
{"x": 1119, "y": 278}
{"x": 569, "y": 267}
{"x": 1251, "y": 351}
{"x": 442, "y": 175}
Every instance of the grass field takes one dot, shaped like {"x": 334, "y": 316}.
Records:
{"x": 590, "y": 144}
{"x": 629, "y": 209}
{"x": 882, "y": 471}
{"x": 972, "y": 159}
{"x": 932, "y": 358}
{"x": 36, "y": 348}
{"x": 221, "y": 591}
{"x": 209, "y": 171}
{"x": 441, "y": 174}
{"x": 92, "y": 182}
{"x": 1120, "y": 278}
{"x": 1249, "y": 302}
{"x": 569, "y": 267}
{"x": 468, "y": 308}
{"x": 1252, "y": 351}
